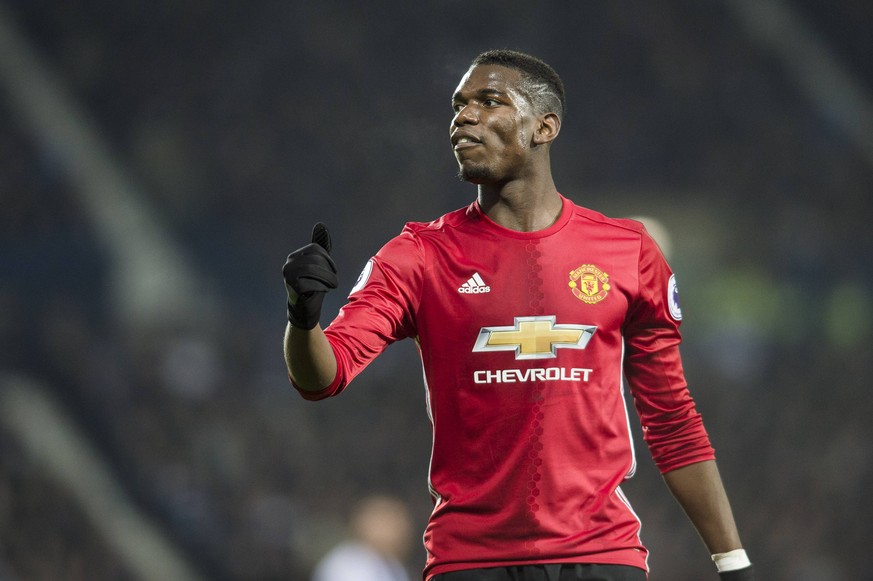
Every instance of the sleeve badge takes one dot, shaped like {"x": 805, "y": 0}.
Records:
{"x": 363, "y": 277}
{"x": 673, "y": 299}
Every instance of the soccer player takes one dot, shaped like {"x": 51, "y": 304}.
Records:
{"x": 528, "y": 311}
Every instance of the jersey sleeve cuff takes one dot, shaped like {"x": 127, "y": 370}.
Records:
{"x": 336, "y": 386}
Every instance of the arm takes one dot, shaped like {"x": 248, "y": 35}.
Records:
{"x": 698, "y": 489}
{"x": 673, "y": 428}
{"x": 309, "y": 274}
{"x": 376, "y": 314}
{"x": 309, "y": 357}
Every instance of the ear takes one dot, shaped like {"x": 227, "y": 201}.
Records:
{"x": 548, "y": 127}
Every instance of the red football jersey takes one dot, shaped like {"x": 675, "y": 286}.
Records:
{"x": 524, "y": 338}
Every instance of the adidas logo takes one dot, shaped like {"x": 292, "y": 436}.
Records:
{"x": 474, "y": 286}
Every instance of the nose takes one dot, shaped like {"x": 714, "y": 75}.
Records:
{"x": 466, "y": 115}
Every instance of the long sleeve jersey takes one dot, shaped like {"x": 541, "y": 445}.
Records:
{"x": 525, "y": 338}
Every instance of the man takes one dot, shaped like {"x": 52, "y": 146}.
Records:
{"x": 380, "y": 531}
{"x": 527, "y": 311}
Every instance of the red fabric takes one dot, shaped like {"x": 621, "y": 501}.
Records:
{"x": 530, "y": 446}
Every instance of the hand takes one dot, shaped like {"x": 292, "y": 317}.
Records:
{"x": 309, "y": 273}
{"x": 744, "y": 574}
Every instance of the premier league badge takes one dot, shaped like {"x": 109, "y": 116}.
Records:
{"x": 673, "y": 299}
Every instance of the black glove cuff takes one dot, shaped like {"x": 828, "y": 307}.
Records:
{"x": 307, "y": 312}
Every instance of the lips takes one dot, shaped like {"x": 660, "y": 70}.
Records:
{"x": 463, "y": 140}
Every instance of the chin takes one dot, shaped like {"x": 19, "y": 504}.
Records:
{"x": 475, "y": 174}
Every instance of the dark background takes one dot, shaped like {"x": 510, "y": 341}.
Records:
{"x": 740, "y": 135}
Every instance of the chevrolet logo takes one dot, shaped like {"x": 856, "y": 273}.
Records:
{"x": 534, "y": 337}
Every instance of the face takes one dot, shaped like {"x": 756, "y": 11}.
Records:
{"x": 493, "y": 126}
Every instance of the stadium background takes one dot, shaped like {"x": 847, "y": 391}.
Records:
{"x": 158, "y": 160}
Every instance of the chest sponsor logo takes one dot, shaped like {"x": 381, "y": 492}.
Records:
{"x": 534, "y": 337}
{"x": 589, "y": 284}
{"x": 580, "y": 374}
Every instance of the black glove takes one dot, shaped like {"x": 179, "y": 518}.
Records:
{"x": 309, "y": 273}
{"x": 744, "y": 574}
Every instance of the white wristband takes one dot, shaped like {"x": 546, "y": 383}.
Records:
{"x": 731, "y": 561}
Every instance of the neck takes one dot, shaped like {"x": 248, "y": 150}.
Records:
{"x": 522, "y": 206}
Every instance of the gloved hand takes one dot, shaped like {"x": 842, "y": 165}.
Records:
{"x": 745, "y": 574}
{"x": 309, "y": 273}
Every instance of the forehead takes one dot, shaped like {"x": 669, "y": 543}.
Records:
{"x": 489, "y": 78}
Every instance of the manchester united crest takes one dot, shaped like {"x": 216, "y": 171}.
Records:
{"x": 589, "y": 284}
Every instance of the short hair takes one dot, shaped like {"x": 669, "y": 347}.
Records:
{"x": 543, "y": 86}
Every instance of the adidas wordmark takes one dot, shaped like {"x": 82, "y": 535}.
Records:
{"x": 474, "y": 286}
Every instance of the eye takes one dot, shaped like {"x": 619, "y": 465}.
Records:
{"x": 457, "y": 107}
{"x": 491, "y": 102}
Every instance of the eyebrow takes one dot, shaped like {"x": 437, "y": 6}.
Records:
{"x": 481, "y": 93}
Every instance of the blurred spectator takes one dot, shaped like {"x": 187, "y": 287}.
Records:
{"x": 380, "y": 536}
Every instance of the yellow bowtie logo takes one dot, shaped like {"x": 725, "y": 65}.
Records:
{"x": 534, "y": 337}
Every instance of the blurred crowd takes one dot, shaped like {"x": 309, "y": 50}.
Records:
{"x": 246, "y": 122}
